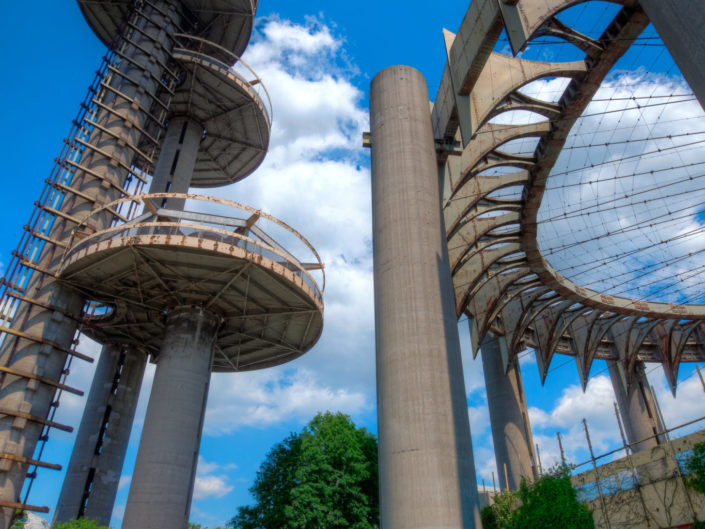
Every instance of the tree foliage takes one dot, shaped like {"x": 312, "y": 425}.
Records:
{"x": 696, "y": 474}
{"x": 696, "y": 468}
{"x": 81, "y": 523}
{"x": 551, "y": 501}
{"x": 325, "y": 476}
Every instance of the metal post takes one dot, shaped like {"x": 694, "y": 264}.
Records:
{"x": 560, "y": 446}
{"x": 597, "y": 477}
{"x": 635, "y": 477}
{"x": 700, "y": 375}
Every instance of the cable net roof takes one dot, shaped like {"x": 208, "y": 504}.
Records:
{"x": 623, "y": 209}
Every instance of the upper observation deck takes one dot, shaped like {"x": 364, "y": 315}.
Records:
{"x": 222, "y": 261}
{"x": 231, "y": 104}
{"x": 227, "y": 23}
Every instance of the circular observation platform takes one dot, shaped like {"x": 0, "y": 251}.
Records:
{"x": 228, "y": 264}
{"x": 231, "y": 104}
{"x": 227, "y": 23}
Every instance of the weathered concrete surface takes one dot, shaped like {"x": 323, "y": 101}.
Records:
{"x": 162, "y": 482}
{"x": 99, "y": 451}
{"x": 110, "y": 153}
{"x": 427, "y": 472}
{"x": 636, "y": 408}
{"x": 177, "y": 158}
{"x": 661, "y": 501}
{"x": 509, "y": 418}
{"x": 680, "y": 24}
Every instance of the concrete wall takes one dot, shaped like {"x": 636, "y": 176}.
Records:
{"x": 660, "y": 501}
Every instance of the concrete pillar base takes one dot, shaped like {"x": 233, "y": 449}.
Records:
{"x": 162, "y": 482}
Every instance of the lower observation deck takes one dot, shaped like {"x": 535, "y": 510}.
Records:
{"x": 270, "y": 304}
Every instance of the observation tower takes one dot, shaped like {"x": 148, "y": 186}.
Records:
{"x": 191, "y": 282}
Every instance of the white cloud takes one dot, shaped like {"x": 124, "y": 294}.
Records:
{"x": 266, "y": 397}
{"x": 479, "y": 419}
{"x": 566, "y": 416}
{"x": 315, "y": 178}
{"x": 675, "y": 413}
{"x": 119, "y": 512}
{"x": 210, "y": 483}
{"x": 210, "y": 486}
{"x": 284, "y": 37}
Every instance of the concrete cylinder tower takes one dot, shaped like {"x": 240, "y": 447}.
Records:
{"x": 427, "y": 472}
{"x": 509, "y": 418}
{"x": 220, "y": 36}
{"x": 196, "y": 283}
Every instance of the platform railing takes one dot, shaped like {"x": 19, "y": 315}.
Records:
{"x": 241, "y": 227}
{"x": 222, "y": 59}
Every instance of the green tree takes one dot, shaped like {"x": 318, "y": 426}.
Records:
{"x": 696, "y": 474}
{"x": 80, "y": 523}
{"x": 325, "y": 476}
{"x": 551, "y": 501}
{"x": 696, "y": 468}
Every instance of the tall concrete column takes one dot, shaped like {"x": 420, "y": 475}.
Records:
{"x": 636, "y": 408}
{"x": 177, "y": 158}
{"x": 427, "y": 472}
{"x": 162, "y": 482}
{"x": 49, "y": 318}
{"x": 509, "y": 418}
{"x": 680, "y": 25}
{"x": 93, "y": 474}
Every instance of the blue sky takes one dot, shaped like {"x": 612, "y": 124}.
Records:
{"x": 317, "y": 60}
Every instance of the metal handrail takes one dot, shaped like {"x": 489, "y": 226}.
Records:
{"x": 228, "y": 61}
{"x": 84, "y": 235}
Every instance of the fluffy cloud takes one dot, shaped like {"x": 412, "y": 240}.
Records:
{"x": 271, "y": 396}
{"x": 690, "y": 391}
{"x": 210, "y": 480}
{"x": 595, "y": 406}
{"x": 314, "y": 178}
